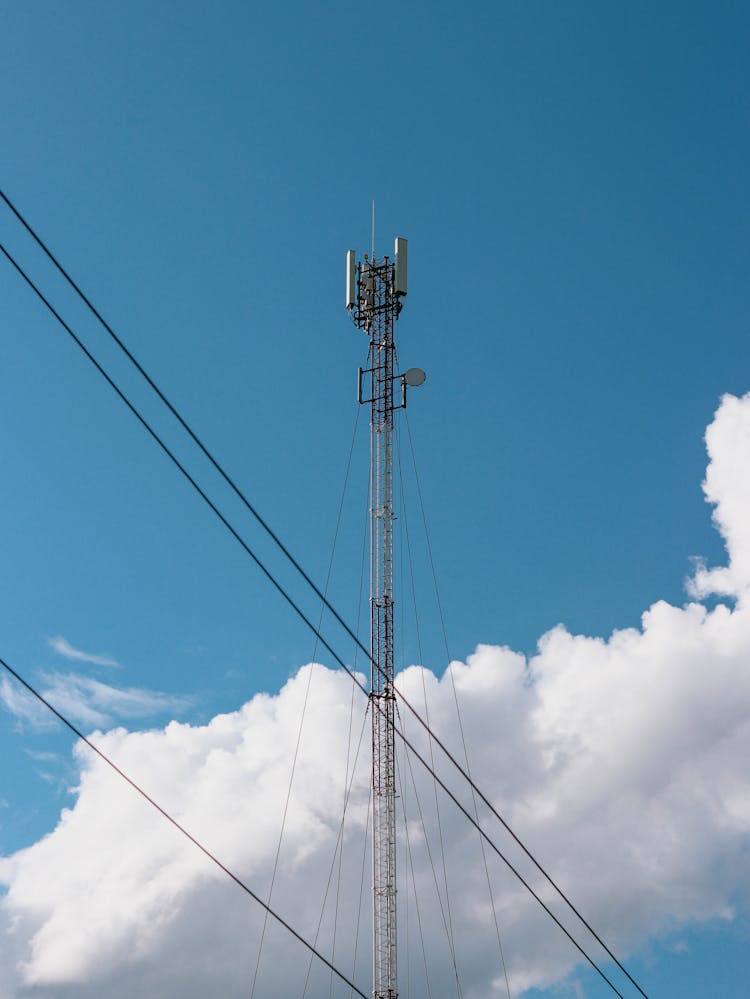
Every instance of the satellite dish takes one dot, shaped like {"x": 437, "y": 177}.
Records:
{"x": 414, "y": 377}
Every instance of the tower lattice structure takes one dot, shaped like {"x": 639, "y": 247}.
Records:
{"x": 375, "y": 302}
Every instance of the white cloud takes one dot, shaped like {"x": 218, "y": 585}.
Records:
{"x": 26, "y": 709}
{"x": 94, "y": 704}
{"x": 727, "y": 486}
{"x": 63, "y": 647}
{"x": 85, "y": 701}
{"x": 621, "y": 762}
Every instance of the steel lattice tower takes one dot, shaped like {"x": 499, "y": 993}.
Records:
{"x": 374, "y": 292}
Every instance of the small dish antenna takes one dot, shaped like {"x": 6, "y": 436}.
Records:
{"x": 414, "y": 377}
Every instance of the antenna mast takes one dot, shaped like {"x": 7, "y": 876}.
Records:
{"x": 374, "y": 292}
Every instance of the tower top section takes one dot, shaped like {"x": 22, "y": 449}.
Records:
{"x": 375, "y": 285}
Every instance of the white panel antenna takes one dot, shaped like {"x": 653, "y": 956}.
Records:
{"x": 351, "y": 279}
{"x": 401, "y": 259}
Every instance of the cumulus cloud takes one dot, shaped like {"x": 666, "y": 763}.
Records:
{"x": 620, "y": 761}
{"x": 727, "y": 487}
{"x": 138, "y": 892}
{"x": 63, "y": 647}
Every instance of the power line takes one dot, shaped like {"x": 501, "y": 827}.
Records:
{"x": 173, "y": 410}
{"x": 280, "y": 589}
{"x": 466, "y": 776}
{"x": 266, "y": 527}
{"x": 165, "y": 814}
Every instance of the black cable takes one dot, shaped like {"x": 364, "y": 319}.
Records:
{"x": 249, "y": 506}
{"x": 136, "y": 787}
{"x": 272, "y": 579}
{"x": 177, "y": 463}
{"x": 180, "y": 419}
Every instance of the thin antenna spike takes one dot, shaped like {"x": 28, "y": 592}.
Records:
{"x": 373, "y": 229}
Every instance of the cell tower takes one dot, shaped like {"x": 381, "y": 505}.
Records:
{"x": 374, "y": 293}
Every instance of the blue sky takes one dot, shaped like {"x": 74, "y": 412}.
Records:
{"x": 572, "y": 179}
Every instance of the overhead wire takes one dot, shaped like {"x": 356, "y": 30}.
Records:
{"x": 279, "y": 544}
{"x": 239, "y": 493}
{"x": 266, "y": 527}
{"x": 289, "y": 600}
{"x": 178, "y": 826}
